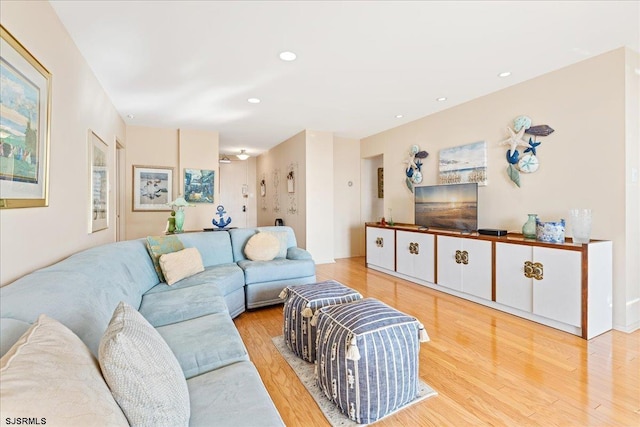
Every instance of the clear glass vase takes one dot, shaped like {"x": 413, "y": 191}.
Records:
{"x": 580, "y": 225}
{"x": 529, "y": 227}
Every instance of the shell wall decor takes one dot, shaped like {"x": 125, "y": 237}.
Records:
{"x": 527, "y": 161}
{"x": 413, "y": 171}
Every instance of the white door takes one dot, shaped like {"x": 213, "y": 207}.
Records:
{"x": 449, "y": 262}
{"x": 558, "y": 295}
{"x": 476, "y": 273}
{"x": 415, "y": 255}
{"x": 512, "y": 287}
{"x": 234, "y": 193}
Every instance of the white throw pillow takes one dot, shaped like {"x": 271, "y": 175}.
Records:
{"x": 49, "y": 374}
{"x": 283, "y": 238}
{"x": 262, "y": 247}
{"x": 142, "y": 371}
{"x": 179, "y": 265}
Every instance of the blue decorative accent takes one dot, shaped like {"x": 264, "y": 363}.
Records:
{"x": 551, "y": 232}
{"x": 532, "y": 147}
{"x": 419, "y": 165}
{"x": 513, "y": 159}
{"x": 409, "y": 172}
{"x": 223, "y": 222}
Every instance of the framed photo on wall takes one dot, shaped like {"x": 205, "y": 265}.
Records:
{"x": 99, "y": 176}
{"x": 199, "y": 185}
{"x": 25, "y": 111}
{"x": 152, "y": 188}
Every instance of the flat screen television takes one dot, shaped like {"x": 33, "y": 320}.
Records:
{"x": 449, "y": 206}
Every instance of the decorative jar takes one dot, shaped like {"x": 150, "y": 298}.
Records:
{"x": 529, "y": 227}
{"x": 580, "y": 225}
{"x": 550, "y": 231}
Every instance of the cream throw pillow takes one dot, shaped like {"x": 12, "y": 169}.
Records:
{"x": 178, "y": 265}
{"x": 50, "y": 374}
{"x": 283, "y": 238}
{"x": 142, "y": 371}
{"x": 262, "y": 247}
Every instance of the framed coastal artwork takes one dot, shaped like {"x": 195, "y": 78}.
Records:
{"x": 464, "y": 164}
{"x": 198, "y": 185}
{"x": 152, "y": 188}
{"x": 25, "y": 111}
{"x": 99, "y": 175}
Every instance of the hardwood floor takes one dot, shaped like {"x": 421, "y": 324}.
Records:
{"x": 489, "y": 368}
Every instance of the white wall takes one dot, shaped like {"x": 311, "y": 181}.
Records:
{"x": 348, "y": 229}
{"x": 34, "y": 237}
{"x": 582, "y": 163}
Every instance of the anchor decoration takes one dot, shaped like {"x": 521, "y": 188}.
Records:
{"x": 223, "y": 222}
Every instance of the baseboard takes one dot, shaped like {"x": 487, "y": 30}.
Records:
{"x": 325, "y": 261}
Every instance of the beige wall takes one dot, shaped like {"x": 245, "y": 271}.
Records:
{"x": 632, "y": 155}
{"x": 319, "y": 195}
{"x": 178, "y": 149}
{"x": 582, "y": 162}
{"x": 278, "y": 203}
{"x": 348, "y": 231}
{"x": 35, "y": 237}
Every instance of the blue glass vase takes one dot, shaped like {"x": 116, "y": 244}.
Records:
{"x": 179, "y": 220}
{"x": 529, "y": 227}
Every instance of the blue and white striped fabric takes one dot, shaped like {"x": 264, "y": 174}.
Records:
{"x": 302, "y": 302}
{"x": 367, "y": 358}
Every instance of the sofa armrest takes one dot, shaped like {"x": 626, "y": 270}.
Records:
{"x": 297, "y": 253}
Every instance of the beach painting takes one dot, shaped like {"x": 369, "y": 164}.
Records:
{"x": 24, "y": 126}
{"x": 198, "y": 185}
{"x": 152, "y": 188}
{"x": 464, "y": 164}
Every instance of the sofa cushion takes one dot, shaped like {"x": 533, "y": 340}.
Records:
{"x": 238, "y": 399}
{"x": 181, "y": 264}
{"x": 240, "y": 237}
{"x": 283, "y": 239}
{"x": 262, "y": 247}
{"x": 214, "y": 247}
{"x": 10, "y": 331}
{"x": 227, "y": 278}
{"x": 142, "y": 372}
{"x": 277, "y": 269}
{"x": 204, "y": 343}
{"x": 51, "y": 372}
{"x": 159, "y": 245}
{"x": 164, "y": 308}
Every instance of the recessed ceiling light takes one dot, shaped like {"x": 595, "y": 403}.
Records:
{"x": 288, "y": 56}
{"x": 504, "y": 74}
{"x": 441, "y": 99}
{"x": 131, "y": 116}
{"x": 253, "y": 101}
{"x": 399, "y": 116}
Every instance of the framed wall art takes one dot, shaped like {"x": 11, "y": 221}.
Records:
{"x": 199, "y": 185}
{"x": 99, "y": 176}
{"x": 25, "y": 111}
{"x": 464, "y": 164}
{"x": 152, "y": 188}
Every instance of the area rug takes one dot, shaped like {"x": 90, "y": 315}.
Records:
{"x": 305, "y": 372}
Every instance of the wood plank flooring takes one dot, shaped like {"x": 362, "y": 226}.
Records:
{"x": 489, "y": 368}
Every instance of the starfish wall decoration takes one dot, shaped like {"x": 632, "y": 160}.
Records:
{"x": 528, "y": 162}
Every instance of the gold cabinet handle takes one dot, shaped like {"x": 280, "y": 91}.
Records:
{"x": 458, "y": 257}
{"x": 533, "y": 270}
{"x": 414, "y": 248}
{"x": 379, "y": 242}
{"x": 465, "y": 257}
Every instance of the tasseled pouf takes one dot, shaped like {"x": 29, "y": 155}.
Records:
{"x": 301, "y": 302}
{"x": 368, "y": 356}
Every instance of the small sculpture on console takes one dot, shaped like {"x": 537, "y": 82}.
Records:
{"x": 223, "y": 222}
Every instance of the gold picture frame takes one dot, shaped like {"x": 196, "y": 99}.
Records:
{"x": 99, "y": 182}
{"x": 25, "y": 110}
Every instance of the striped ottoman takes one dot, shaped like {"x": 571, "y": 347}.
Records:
{"x": 368, "y": 358}
{"x": 302, "y": 301}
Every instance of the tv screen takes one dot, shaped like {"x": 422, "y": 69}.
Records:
{"x": 451, "y": 206}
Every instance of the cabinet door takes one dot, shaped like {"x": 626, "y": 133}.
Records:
{"x": 512, "y": 287}
{"x": 449, "y": 271}
{"x": 476, "y": 274}
{"x": 381, "y": 247}
{"x": 415, "y": 255}
{"x": 558, "y": 295}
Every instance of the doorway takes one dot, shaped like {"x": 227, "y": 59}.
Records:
{"x": 120, "y": 192}
{"x": 236, "y": 194}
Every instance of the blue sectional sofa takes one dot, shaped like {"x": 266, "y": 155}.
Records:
{"x": 193, "y": 316}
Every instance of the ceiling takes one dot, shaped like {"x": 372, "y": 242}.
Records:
{"x": 194, "y": 64}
